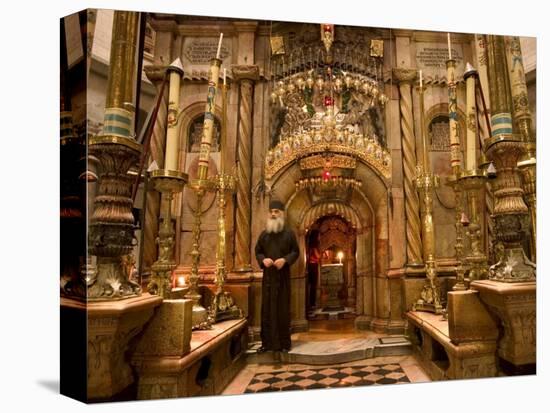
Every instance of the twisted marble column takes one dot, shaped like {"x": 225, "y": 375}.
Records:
{"x": 245, "y": 75}
{"x": 156, "y": 149}
{"x": 405, "y": 77}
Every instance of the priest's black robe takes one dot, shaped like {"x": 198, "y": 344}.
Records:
{"x": 275, "y": 331}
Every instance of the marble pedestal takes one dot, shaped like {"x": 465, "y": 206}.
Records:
{"x": 464, "y": 346}
{"x": 515, "y": 306}
{"x": 110, "y": 327}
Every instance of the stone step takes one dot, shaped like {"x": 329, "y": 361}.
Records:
{"x": 333, "y": 351}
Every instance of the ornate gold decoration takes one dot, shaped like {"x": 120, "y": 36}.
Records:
{"x": 319, "y": 161}
{"x": 327, "y": 35}
{"x": 167, "y": 183}
{"x": 377, "y": 48}
{"x": 246, "y": 76}
{"x": 426, "y": 182}
{"x": 331, "y": 183}
{"x": 277, "y": 45}
{"x": 302, "y": 145}
{"x": 412, "y": 205}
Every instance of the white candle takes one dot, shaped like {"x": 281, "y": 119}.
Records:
{"x": 449, "y": 44}
{"x": 219, "y": 46}
{"x": 421, "y": 78}
{"x": 224, "y": 76}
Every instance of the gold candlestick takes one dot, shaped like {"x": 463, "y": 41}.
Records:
{"x": 168, "y": 183}
{"x": 223, "y": 306}
{"x": 201, "y": 318}
{"x": 426, "y": 182}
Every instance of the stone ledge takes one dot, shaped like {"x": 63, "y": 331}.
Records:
{"x": 445, "y": 360}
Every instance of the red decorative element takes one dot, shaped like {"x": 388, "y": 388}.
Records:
{"x": 329, "y": 101}
{"x": 328, "y": 28}
{"x": 326, "y": 175}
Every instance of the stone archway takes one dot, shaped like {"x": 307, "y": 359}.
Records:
{"x": 368, "y": 207}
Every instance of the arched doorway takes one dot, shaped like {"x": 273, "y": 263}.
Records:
{"x": 331, "y": 269}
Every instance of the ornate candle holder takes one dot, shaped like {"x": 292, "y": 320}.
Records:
{"x": 223, "y": 306}
{"x": 511, "y": 213}
{"x": 201, "y": 318}
{"x": 473, "y": 182}
{"x": 459, "y": 244}
{"x": 112, "y": 223}
{"x": 168, "y": 183}
{"x": 426, "y": 182}
{"x": 430, "y": 297}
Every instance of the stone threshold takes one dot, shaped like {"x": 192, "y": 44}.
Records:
{"x": 334, "y": 351}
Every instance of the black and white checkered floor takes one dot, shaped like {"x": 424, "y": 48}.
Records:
{"x": 327, "y": 377}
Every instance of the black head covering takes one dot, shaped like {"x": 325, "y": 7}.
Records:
{"x": 276, "y": 204}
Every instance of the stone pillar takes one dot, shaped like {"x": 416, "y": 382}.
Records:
{"x": 245, "y": 75}
{"x": 523, "y": 122}
{"x": 405, "y": 77}
{"x": 505, "y": 149}
{"x": 157, "y": 144}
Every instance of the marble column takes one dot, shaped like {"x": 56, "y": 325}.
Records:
{"x": 505, "y": 149}
{"x": 523, "y": 122}
{"x": 405, "y": 77}
{"x": 245, "y": 75}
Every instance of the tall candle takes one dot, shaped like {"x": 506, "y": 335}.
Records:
{"x": 224, "y": 76}
{"x": 208, "y": 125}
{"x": 219, "y": 46}
{"x": 171, "y": 155}
{"x": 420, "y": 78}
{"x": 471, "y": 116}
{"x": 449, "y": 45}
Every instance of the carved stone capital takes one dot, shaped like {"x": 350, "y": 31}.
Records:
{"x": 405, "y": 75}
{"x": 245, "y": 26}
{"x": 245, "y": 72}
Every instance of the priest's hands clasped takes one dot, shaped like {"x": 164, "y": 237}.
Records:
{"x": 278, "y": 263}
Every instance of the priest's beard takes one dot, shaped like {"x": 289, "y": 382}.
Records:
{"x": 275, "y": 225}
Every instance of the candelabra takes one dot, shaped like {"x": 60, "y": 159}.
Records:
{"x": 473, "y": 183}
{"x": 426, "y": 182}
{"x": 223, "y": 306}
{"x": 168, "y": 183}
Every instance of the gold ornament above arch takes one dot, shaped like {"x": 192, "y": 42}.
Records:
{"x": 330, "y": 209}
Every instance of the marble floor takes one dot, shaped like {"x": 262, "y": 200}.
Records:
{"x": 279, "y": 376}
{"x": 275, "y": 377}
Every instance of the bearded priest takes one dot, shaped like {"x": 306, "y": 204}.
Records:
{"x": 276, "y": 250}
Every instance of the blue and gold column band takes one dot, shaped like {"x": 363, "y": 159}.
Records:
{"x": 501, "y": 123}
{"x": 66, "y": 126}
{"x": 118, "y": 122}
{"x": 208, "y": 125}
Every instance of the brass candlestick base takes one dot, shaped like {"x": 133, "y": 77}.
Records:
{"x": 430, "y": 297}
{"x": 223, "y": 307}
{"x": 473, "y": 182}
{"x": 168, "y": 183}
